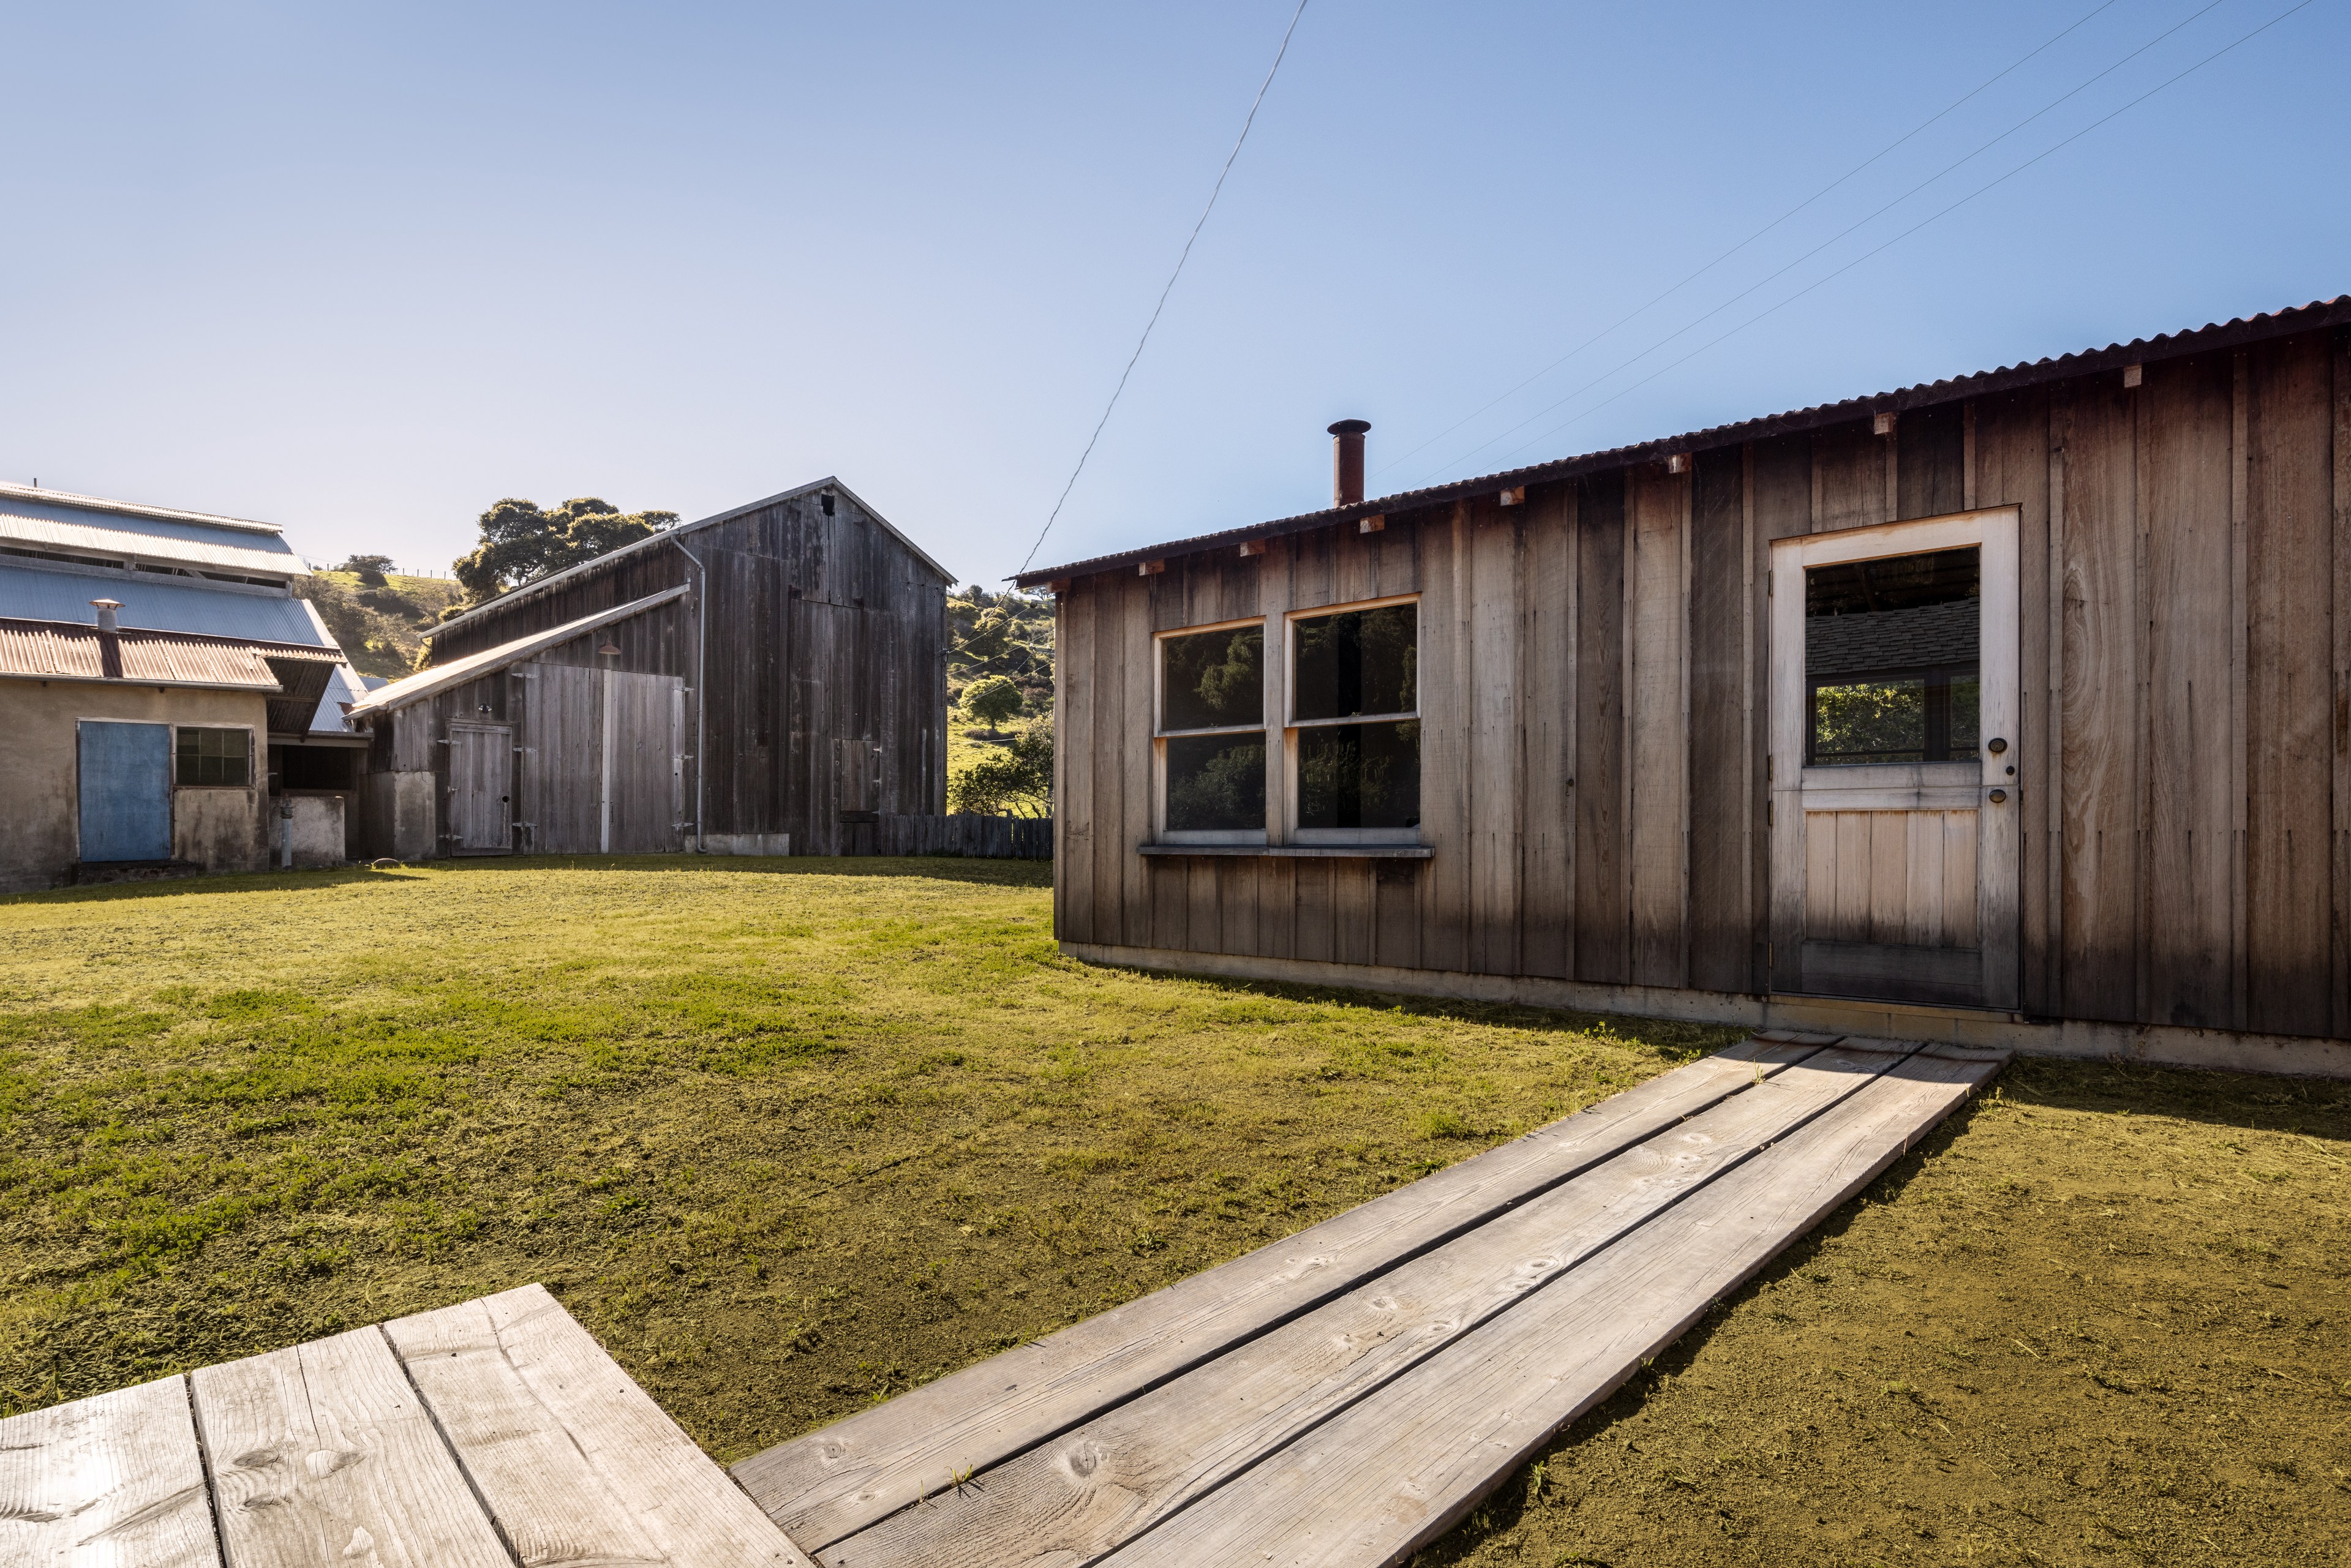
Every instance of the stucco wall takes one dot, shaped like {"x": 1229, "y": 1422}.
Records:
{"x": 39, "y": 826}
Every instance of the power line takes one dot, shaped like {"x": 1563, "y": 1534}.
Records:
{"x": 1862, "y": 223}
{"x": 1180, "y": 260}
{"x": 1631, "y": 316}
{"x": 1906, "y": 234}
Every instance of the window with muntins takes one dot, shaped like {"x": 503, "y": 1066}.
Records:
{"x": 214, "y": 757}
{"x": 1355, "y": 705}
{"x": 1212, "y": 726}
{"x": 1890, "y": 659}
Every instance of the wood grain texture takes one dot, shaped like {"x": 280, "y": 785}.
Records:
{"x": 1658, "y": 529}
{"x": 1073, "y": 765}
{"x": 1446, "y": 788}
{"x": 1848, "y": 477}
{"x": 115, "y": 1479}
{"x": 1720, "y": 629}
{"x": 1395, "y": 1471}
{"x": 1546, "y": 600}
{"x": 2289, "y": 638}
{"x": 323, "y": 1453}
{"x": 1496, "y": 716}
{"x": 2186, "y": 879}
{"x": 575, "y": 1462}
{"x": 2098, "y": 782}
{"x": 1931, "y": 444}
{"x": 2340, "y": 400}
{"x": 1602, "y": 948}
{"x": 1090, "y": 1490}
{"x": 834, "y": 1482}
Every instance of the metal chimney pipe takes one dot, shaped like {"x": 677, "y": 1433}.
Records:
{"x": 1347, "y": 461}
{"x": 106, "y": 621}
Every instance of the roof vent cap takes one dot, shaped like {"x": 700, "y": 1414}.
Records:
{"x": 107, "y": 620}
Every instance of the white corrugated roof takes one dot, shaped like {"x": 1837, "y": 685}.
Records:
{"x": 458, "y": 672}
{"x": 182, "y": 545}
{"x": 35, "y": 493}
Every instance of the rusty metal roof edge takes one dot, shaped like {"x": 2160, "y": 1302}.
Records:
{"x": 2316, "y": 316}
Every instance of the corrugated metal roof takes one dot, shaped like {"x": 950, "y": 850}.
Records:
{"x": 184, "y": 544}
{"x": 50, "y": 650}
{"x": 458, "y": 672}
{"x": 538, "y": 585}
{"x": 2316, "y": 316}
{"x": 41, "y": 592}
{"x": 67, "y": 498}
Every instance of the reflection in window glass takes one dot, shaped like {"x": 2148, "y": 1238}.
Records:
{"x": 214, "y": 757}
{"x": 1215, "y": 783}
{"x": 1212, "y": 680}
{"x": 1359, "y": 776}
{"x": 1890, "y": 659}
{"x": 1360, "y": 662}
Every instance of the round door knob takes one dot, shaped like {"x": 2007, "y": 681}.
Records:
{"x": 1998, "y": 796}
{"x": 1995, "y": 745}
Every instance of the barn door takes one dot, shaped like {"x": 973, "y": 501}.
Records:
{"x": 642, "y": 763}
{"x": 1894, "y": 736}
{"x": 126, "y": 790}
{"x": 481, "y": 772}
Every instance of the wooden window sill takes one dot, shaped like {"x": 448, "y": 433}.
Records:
{"x": 1298, "y": 852}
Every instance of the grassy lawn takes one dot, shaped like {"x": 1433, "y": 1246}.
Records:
{"x": 791, "y": 1135}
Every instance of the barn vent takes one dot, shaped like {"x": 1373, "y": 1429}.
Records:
{"x": 1347, "y": 461}
{"x": 107, "y": 620}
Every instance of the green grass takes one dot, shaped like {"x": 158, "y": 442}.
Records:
{"x": 789, "y": 1136}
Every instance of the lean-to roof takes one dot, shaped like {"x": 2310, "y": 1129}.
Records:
{"x": 61, "y": 651}
{"x": 2323, "y": 314}
{"x": 458, "y": 672}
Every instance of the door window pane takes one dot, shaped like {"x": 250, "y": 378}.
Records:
{"x": 218, "y": 756}
{"x": 1359, "y": 775}
{"x": 1215, "y": 783}
{"x": 1358, "y": 662}
{"x": 1890, "y": 659}
{"x": 1212, "y": 680}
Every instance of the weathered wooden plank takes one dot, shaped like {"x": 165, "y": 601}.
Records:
{"x": 1130, "y": 747}
{"x": 1922, "y": 899}
{"x": 1820, "y": 890}
{"x": 1721, "y": 609}
{"x": 1546, "y": 592}
{"x": 2289, "y": 638}
{"x": 1603, "y": 950}
{"x": 833, "y": 1482}
{"x": 1497, "y": 748}
{"x": 1395, "y": 1471}
{"x": 1204, "y": 920}
{"x": 1658, "y": 506}
{"x": 1093, "y": 1489}
{"x": 322, "y": 1453}
{"x": 2186, "y": 884}
{"x": 2012, "y": 467}
{"x": 117, "y": 1479}
{"x": 2098, "y": 781}
{"x": 1076, "y": 878}
{"x": 1446, "y": 787}
{"x": 1316, "y": 938}
{"x": 1168, "y": 904}
{"x": 575, "y": 1462}
{"x": 1889, "y": 874}
{"x": 1848, "y": 477}
{"x": 1931, "y": 472}
{"x": 1351, "y": 907}
{"x": 1396, "y": 892}
{"x": 2340, "y": 962}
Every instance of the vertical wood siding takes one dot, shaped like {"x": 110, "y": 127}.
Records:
{"x": 1592, "y": 665}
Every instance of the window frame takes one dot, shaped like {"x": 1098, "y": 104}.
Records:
{"x": 1292, "y": 725}
{"x": 244, "y": 729}
{"x": 1160, "y": 735}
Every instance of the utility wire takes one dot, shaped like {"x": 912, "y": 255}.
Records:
{"x": 1913, "y": 228}
{"x": 1859, "y": 224}
{"x": 1874, "y": 158}
{"x": 1180, "y": 260}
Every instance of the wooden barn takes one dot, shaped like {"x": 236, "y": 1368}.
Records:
{"x": 2014, "y": 708}
{"x": 767, "y": 681}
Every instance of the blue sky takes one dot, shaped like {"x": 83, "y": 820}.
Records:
{"x": 362, "y": 271}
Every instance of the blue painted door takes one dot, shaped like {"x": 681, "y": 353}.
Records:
{"x": 126, "y": 791}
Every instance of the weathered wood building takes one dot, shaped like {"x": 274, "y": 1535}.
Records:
{"x": 767, "y": 681}
{"x": 2015, "y": 708}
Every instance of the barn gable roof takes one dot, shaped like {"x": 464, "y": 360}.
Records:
{"x": 540, "y": 584}
{"x": 458, "y": 672}
{"x": 2318, "y": 316}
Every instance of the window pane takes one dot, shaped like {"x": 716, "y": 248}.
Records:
{"x": 1890, "y": 658}
{"x": 212, "y": 757}
{"x": 1212, "y": 680}
{"x": 1359, "y": 776}
{"x": 1215, "y": 783}
{"x": 1358, "y": 661}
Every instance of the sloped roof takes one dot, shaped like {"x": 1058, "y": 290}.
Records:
{"x": 60, "y": 651}
{"x": 185, "y": 544}
{"x": 539, "y": 584}
{"x": 39, "y": 497}
{"x": 2318, "y": 316}
{"x": 458, "y": 672}
{"x": 43, "y": 592}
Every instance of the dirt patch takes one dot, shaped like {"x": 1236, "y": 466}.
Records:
{"x": 2100, "y": 1317}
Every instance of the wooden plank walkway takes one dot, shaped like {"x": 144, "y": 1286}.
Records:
{"x": 1338, "y": 1398}
{"x": 1343, "y": 1396}
{"x": 494, "y": 1433}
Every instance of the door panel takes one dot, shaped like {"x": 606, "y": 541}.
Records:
{"x": 126, "y": 791}
{"x": 643, "y": 765}
{"x": 1894, "y": 735}
{"x": 481, "y": 770}
{"x": 563, "y": 741}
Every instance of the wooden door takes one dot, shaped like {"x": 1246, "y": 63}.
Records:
{"x": 642, "y": 763}
{"x": 1895, "y": 741}
{"x": 562, "y": 751}
{"x": 481, "y": 774}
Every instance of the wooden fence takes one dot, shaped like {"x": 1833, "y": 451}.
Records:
{"x": 964, "y": 833}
